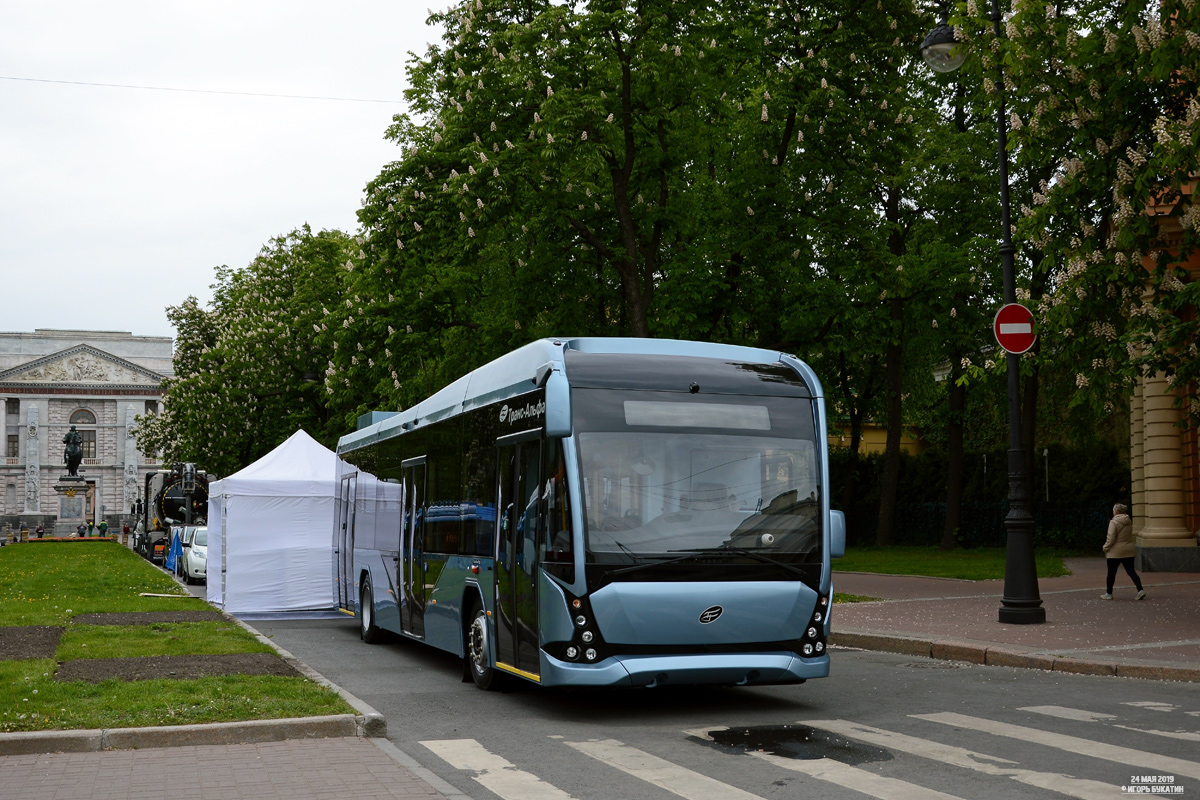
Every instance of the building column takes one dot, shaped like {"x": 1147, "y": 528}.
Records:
{"x": 130, "y": 478}
{"x": 1137, "y": 441}
{"x": 33, "y": 461}
{"x": 1162, "y": 458}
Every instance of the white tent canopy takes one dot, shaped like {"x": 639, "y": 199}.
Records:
{"x": 270, "y": 531}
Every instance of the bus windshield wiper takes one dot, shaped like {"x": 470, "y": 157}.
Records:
{"x": 728, "y": 548}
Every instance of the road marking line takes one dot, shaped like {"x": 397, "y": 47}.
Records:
{"x": 1071, "y": 744}
{"x": 860, "y": 780}
{"x": 493, "y": 772}
{"x": 968, "y": 759}
{"x": 1184, "y": 735}
{"x": 652, "y": 769}
{"x": 1062, "y": 712}
{"x": 1152, "y": 705}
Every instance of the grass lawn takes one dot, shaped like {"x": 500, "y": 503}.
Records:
{"x": 50, "y": 583}
{"x": 976, "y": 564}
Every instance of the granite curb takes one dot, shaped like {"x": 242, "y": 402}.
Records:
{"x": 365, "y": 722}
{"x": 988, "y": 654}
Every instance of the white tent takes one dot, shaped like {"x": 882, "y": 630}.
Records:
{"x": 270, "y": 531}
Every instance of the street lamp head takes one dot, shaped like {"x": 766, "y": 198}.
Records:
{"x": 941, "y": 51}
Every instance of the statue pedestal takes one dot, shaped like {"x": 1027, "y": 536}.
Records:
{"x": 72, "y": 504}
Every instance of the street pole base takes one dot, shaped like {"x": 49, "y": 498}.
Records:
{"x": 1034, "y": 615}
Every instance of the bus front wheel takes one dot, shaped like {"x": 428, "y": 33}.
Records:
{"x": 367, "y": 629}
{"x": 482, "y": 672}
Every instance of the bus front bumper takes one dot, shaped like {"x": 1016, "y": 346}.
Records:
{"x": 740, "y": 669}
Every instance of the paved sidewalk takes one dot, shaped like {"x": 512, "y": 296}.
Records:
{"x": 1157, "y": 638}
{"x": 294, "y": 769}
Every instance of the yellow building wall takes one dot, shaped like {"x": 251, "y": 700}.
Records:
{"x": 874, "y": 439}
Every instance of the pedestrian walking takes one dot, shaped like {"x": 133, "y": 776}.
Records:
{"x": 1120, "y": 552}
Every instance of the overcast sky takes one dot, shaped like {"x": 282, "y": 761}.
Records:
{"x": 116, "y": 202}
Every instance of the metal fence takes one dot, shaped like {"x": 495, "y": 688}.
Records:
{"x": 1073, "y": 525}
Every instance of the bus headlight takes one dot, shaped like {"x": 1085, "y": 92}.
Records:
{"x": 820, "y": 647}
{"x": 590, "y": 654}
{"x": 572, "y": 652}
{"x": 587, "y": 637}
{"x": 807, "y": 649}
{"x": 812, "y": 633}
{"x": 581, "y": 620}
{"x": 817, "y": 617}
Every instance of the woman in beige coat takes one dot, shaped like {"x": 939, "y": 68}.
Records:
{"x": 1120, "y": 552}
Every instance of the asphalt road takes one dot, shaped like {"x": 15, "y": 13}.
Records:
{"x": 882, "y": 725}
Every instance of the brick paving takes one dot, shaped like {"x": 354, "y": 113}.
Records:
{"x": 295, "y": 769}
{"x": 1161, "y": 631}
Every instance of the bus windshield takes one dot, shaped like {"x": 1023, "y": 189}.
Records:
{"x": 702, "y": 479}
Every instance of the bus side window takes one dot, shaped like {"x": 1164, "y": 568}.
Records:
{"x": 559, "y": 549}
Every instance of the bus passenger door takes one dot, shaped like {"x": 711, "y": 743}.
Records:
{"x": 344, "y": 542}
{"x": 412, "y": 549}
{"x": 519, "y": 521}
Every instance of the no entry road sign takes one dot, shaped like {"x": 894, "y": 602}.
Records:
{"x": 1013, "y": 327}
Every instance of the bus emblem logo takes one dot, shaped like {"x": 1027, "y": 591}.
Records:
{"x": 504, "y": 413}
{"x": 710, "y": 614}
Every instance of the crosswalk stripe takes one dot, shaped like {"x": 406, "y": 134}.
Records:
{"x": 961, "y": 757}
{"x": 1070, "y": 744}
{"x": 1153, "y": 705}
{"x": 1062, "y": 712}
{"x": 860, "y": 780}
{"x": 652, "y": 769}
{"x": 1184, "y": 735}
{"x": 495, "y": 773}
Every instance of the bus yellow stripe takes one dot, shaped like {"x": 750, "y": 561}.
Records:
{"x": 520, "y": 672}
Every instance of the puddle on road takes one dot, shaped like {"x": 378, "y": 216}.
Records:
{"x": 797, "y": 741}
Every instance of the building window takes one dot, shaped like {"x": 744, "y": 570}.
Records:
{"x": 12, "y": 406}
{"x": 83, "y": 417}
{"x": 89, "y": 443}
{"x": 151, "y": 406}
{"x": 13, "y": 447}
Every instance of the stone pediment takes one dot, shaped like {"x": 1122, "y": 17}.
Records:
{"x": 82, "y": 365}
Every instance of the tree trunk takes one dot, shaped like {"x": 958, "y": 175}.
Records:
{"x": 954, "y": 476}
{"x": 848, "y": 487}
{"x": 885, "y": 533}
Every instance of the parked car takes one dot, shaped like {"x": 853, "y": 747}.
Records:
{"x": 185, "y": 542}
{"x": 195, "y": 560}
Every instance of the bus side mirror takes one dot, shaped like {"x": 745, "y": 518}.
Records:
{"x": 837, "y": 534}
{"x": 558, "y": 406}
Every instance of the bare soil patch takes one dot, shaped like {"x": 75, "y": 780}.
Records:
{"x": 143, "y": 668}
{"x": 29, "y": 641}
{"x": 147, "y": 617}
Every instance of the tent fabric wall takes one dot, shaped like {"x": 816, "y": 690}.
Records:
{"x": 270, "y": 532}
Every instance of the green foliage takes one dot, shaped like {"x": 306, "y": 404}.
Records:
{"x": 31, "y": 700}
{"x": 165, "y": 639}
{"x": 248, "y": 370}
{"x": 51, "y": 583}
{"x": 48, "y": 583}
{"x": 1104, "y": 117}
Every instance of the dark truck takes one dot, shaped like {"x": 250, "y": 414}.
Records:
{"x": 165, "y": 504}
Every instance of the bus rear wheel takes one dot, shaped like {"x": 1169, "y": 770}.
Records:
{"x": 367, "y": 628}
{"x": 482, "y": 671}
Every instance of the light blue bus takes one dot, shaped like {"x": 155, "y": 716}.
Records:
{"x": 600, "y": 512}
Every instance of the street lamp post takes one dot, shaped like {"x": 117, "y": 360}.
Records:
{"x": 1021, "y": 603}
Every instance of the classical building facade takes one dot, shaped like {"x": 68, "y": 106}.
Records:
{"x": 96, "y": 381}
{"x": 1165, "y": 452}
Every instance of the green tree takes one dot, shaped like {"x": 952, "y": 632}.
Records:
{"x": 248, "y": 370}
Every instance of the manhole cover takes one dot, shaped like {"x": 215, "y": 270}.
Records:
{"x": 797, "y": 741}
